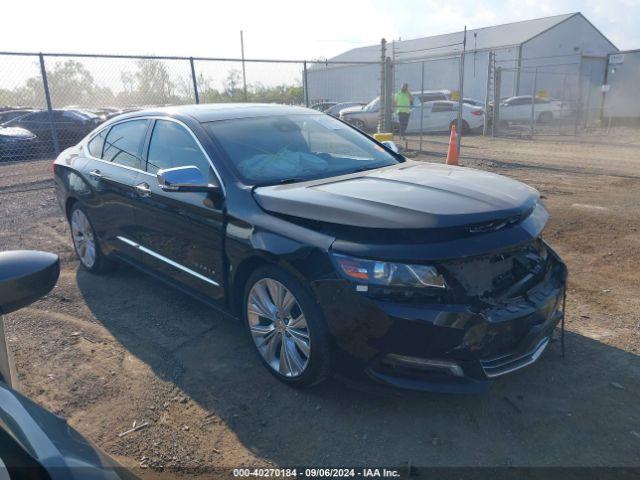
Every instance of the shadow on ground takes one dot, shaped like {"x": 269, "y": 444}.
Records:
{"x": 581, "y": 410}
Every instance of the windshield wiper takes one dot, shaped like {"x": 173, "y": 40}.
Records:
{"x": 364, "y": 169}
{"x": 284, "y": 181}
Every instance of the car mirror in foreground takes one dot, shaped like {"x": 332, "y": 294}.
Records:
{"x": 391, "y": 146}
{"x": 185, "y": 179}
{"x": 26, "y": 276}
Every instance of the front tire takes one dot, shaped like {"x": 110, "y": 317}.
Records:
{"x": 287, "y": 327}
{"x": 545, "y": 118}
{"x": 85, "y": 242}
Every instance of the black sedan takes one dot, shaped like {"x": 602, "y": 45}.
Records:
{"x": 339, "y": 254}
{"x": 70, "y": 126}
{"x": 17, "y": 143}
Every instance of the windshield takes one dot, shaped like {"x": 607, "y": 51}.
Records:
{"x": 372, "y": 105}
{"x": 292, "y": 148}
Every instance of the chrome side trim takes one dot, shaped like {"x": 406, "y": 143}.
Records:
{"x": 167, "y": 260}
{"x": 511, "y": 365}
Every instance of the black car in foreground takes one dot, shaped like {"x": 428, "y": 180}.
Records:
{"x": 339, "y": 254}
{"x": 35, "y": 443}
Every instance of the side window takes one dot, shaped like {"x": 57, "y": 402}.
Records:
{"x": 96, "y": 144}
{"x": 123, "y": 143}
{"x": 172, "y": 146}
{"x": 442, "y": 107}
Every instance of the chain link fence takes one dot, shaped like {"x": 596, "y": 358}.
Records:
{"x": 438, "y": 106}
{"x": 559, "y": 99}
{"x": 49, "y": 102}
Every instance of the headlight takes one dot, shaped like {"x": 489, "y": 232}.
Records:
{"x": 373, "y": 272}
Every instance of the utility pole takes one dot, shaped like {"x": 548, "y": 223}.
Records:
{"x": 244, "y": 72}
{"x": 461, "y": 82}
{"x": 383, "y": 74}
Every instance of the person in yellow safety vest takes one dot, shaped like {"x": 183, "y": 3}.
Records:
{"x": 402, "y": 103}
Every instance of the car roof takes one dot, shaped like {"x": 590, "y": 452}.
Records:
{"x": 211, "y": 112}
{"x": 431, "y": 92}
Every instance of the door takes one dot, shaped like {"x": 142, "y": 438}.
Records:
{"x": 517, "y": 110}
{"x": 180, "y": 233}
{"x": 113, "y": 169}
{"x": 417, "y": 112}
{"x": 442, "y": 114}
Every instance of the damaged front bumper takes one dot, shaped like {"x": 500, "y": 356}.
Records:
{"x": 442, "y": 347}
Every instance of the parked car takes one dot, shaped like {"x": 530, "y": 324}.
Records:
{"x": 337, "y": 253}
{"x": 474, "y": 102}
{"x": 17, "y": 143}
{"x": 440, "y": 116}
{"x": 323, "y": 106}
{"x": 35, "y": 443}
{"x": 7, "y": 115}
{"x": 71, "y": 126}
{"x": 366, "y": 118}
{"x": 518, "y": 109}
{"x": 338, "y": 107}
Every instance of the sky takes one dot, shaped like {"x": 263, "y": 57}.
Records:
{"x": 279, "y": 29}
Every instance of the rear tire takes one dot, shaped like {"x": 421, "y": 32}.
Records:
{"x": 465, "y": 126}
{"x": 85, "y": 242}
{"x": 287, "y": 328}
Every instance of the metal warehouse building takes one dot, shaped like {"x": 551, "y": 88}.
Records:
{"x": 565, "y": 55}
{"x": 622, "y": 100}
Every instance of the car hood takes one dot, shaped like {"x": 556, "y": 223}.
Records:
{"x": 348, "y": 110}
{"x": 15, "y": 132}
{"x": 411, "y": 195}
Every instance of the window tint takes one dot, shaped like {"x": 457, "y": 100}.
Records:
{"x": 173, "y": 146}
{"x": 520, "y": 101}
{"x": 123, "y": 142}
{"x": 430, "y": 97}
{"x": 96, "y": 144}
{"x": 442, "y": 107}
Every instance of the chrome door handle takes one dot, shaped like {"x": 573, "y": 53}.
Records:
{"x": 96, "y": 175}
{"x": 143, "y": 189}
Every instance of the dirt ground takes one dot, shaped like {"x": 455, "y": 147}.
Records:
{"x": 107, "y": 351}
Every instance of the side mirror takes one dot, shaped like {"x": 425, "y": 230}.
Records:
{"x": 26, "y": 276}
{"x": 391, "y": 146}
{"x": 185, "y": 179}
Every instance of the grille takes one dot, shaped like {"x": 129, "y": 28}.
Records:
{"x": 505, "y": 273}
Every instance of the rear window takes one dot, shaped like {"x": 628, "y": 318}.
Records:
{"x": 124, "y": 143}
{"x": 96, "y": 143}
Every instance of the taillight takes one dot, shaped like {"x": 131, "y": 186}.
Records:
{"x": 477, "y": 113}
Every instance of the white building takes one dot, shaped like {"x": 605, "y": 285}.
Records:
{"x": 565, "y": 54}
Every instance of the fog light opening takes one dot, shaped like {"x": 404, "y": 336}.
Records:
{"x": 425, "y": 364}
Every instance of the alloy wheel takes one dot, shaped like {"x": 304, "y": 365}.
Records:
{"x": 278, "y": 327}
{"x": 83, "y": 240}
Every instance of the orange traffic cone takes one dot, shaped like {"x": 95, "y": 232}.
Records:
{"x": 452, "y": 152}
